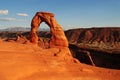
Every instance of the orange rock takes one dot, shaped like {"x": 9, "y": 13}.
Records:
{"x": 58, "y": 37}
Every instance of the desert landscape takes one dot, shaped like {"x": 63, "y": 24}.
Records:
{"x": 59, "y": 40}
{"x": 89, "y": 55}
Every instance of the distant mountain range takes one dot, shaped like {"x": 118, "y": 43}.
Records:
{"x": 22, "y": 29}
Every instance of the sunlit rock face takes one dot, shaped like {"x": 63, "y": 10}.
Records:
{"x": 58, "y": 38}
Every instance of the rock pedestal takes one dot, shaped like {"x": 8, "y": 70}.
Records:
{"x": 58, "y": 39}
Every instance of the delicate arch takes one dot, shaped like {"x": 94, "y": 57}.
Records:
{"x": 58, "y": 37}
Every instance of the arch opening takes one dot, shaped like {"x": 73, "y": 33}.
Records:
{"x": 43, "y": 35}
{"x": 44, "y": 27}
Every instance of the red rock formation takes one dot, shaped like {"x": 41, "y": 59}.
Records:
{"x": 57, "y": 40}
{"x": 88, "y": 36}
{"x": 58, "y": 37}
{"x": 91, "y": 35}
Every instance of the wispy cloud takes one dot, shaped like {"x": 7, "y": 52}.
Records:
{"x": 7, "y": 19}
{"x": 12, "y": 19}
{"x": 21, "y": 20}
{"x": 4, "y": 12}
{"x": 22, "y": 14}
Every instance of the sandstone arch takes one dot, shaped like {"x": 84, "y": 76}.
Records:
{"x": 57, "y": 39}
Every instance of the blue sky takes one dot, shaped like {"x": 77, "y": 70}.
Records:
{"x": 69, "y": 13}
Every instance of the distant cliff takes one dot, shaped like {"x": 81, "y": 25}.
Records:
{"x": 90, "y": 35}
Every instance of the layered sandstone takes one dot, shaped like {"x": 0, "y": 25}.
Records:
{"x": 57, "y": 39}
{"x": 30, "y": 62}
{"x": 90, "y": 35}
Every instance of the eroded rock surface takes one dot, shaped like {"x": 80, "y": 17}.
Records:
{"x": 57, "y": 39}
{"x": 91, "y": 35}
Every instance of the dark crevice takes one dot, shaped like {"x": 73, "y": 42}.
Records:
{"x": 100, "y": 58}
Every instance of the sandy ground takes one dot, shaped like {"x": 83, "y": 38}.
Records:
{"x": 30, "y": 62}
